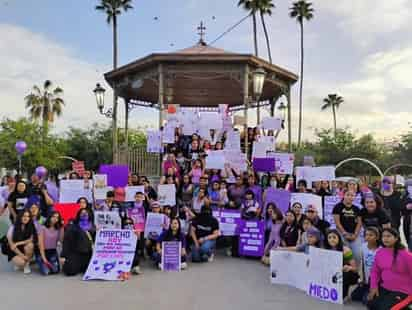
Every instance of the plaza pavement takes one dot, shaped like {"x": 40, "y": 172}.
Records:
{"x": 225, "y": 284}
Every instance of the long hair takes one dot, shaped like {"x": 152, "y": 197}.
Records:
{"x": 169, "y": 232}
{"x": 77, "y": 218}
{"x": 339, "y": 246}
{"x": 398, "y": 245}
{"x": 378, "y": 200}
{"x": 56, "y": 226}
{"x": 285, "y": 224}
{"x": 24, "y": 231}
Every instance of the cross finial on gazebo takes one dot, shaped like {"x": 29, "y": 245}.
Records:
{"x": 202, "y": 33}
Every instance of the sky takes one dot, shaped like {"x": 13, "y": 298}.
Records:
{"x": 361, "y": 50}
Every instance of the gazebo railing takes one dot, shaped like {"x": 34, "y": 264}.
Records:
{"x": 140, "y": 161}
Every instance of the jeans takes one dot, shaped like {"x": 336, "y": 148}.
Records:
{"x": 53, "y": 259}
{"x": 204, "y": 251}
{"x": 356, "y": 247}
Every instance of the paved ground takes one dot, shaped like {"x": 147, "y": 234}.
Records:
{"x": 225, "y": 284}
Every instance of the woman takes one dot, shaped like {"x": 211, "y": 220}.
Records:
{"x": 350, "y": 275}
{"x": 196, "y": 172}
{"x": 214, "y": 195}
{"x": 170, "y": 166}
{"x": 274, "y": 237}
{"x": 349, "y": 223}
{"x": 391, "y": 275}
{"x": 256, "y": 189}
{"x": 391, "y": 202}
{"x": 200, "y": 200}
{"x": 51, "y": 234}
{"x": 407, "y": 219}
{"x": 303, "y": 236}
{"x": 372, "y": 213}
{"x": 289, "y": 232}
{"x": 314, "y": 238}
{"x": 21, "y": 238}
{"x": 78, "y": 243}
{"x": 170, "y": 174}
{"x": 185, "y": 196}
{"x": 236, "y": 193}
{"x": 174, "y": 233}
{"x": 297, "y": 208}
{"x": 270, "y": 207}
{"x": 17, "y": 200}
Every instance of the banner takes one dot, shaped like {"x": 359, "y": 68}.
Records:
{"x": 215, "y": 160}
{"x": 280, "y": 197}
{"x": 167, "y": 194}
{"x": 112, "y": 256}
{"x": 171, "y": 256}
{"x": 229, "y": 221}
{"x": 251, "y": 238}
{"x": 318, "y": 273}
{"x": 137, "y": 214}
{"x": 107, "y": 220}
{"x": 131, "y": 192}
{"x": 117, "y": 175}
{"x": 284, "y": 162}
{"x": 78, "y": 167}
{"x": 154, "y": 225}
{"x": 72, "y": 190}
{"x": 313, "y": 174}
{"x": 306, "y": 200}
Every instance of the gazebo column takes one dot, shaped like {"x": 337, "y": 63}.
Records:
{"x": 289, "y": 105}
{"x": 161, "y": 95}
{"x": 246, "y": 105}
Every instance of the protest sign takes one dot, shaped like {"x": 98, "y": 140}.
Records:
{"x": 313, "y": 174}
{"x": 166, "y": 194}
{"x": 131, "y": 192}
{"x": 171, "y": 256}
{"x": 251, "y": 238}
{"x": 232, "y": 140}
{"x": 78, "y": 167}
{"x": 308, "y": 161}
{"x": 279, "y": 197}
{"x": 399, "y": 180}
{"x": 154, "y": 141}
{"x": 210, "y": 120}
{"x": 100, "y": 186}
{"x": 271, "y": 123}
{"x": 318, "y": 273}
{"x": 269, "y": 140}
{"x": 67, "y": 211}
{"x": 137, "y": 214}
{"x": 215, "y": 160}
{"x": 189, "y": 121}
{"x": 410, "y": 191}
{"x": 264, "y": 164}
{"x": 113, "y": 255}
{"x": 229, "y": 221}
{"x": 117, "y": 175}
{"x": 236, "y": 160}
{"x": 168, "y": 134}
{"x": 284, "y": 162}
{"x": 154, "y": 225}
{"x": 261, "y": 149}
{"x": 107, "y": 220}
{"x": 72, "y": 190}
{"x": 306, "y": 200}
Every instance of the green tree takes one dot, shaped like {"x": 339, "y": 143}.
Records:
{"x": 265, "y": 8}
{"x": 252, "y": 7}
{"x": 301, "y": 11}
{"x": 37, "y": 153}
{"x": 112, "y": 9}
{"x": 333, "y": 101}
{"x": 45, "y": 104}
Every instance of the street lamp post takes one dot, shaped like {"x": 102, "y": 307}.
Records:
{"x": 259, "y": 76}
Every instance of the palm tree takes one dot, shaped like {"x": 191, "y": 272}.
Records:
{"x": 251, "y": 6}
{"x": 45, "y": 104}
{"x": 332, "y": 101}
{"x": 265, "y": 8}
{"x": 301, "y": 11}
{"x": 112, "y": 9}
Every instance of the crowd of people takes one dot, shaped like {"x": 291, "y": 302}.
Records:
{"x": 375, "y": 261}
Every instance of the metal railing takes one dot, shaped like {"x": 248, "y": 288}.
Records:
{"x": 140, "y": 161}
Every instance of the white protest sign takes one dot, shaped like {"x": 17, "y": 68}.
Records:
{"x": 100, "y": 186}
{"x": 189, "y": 121}
{"x": 329, "y": 203}
{"x": 112, "y": 256}
{"x": 399, "y": 180}
{"x": 271, "y": 123}
{"x": 313, "y": 174}
{"x": 215, "y": 160}
{"x": 154, "y": 141}
{"x": 318, "y": 273}
{"x": 154, "y": 225}
{"x": 131, "y": 192}
{"x": 232, "y": 140}
{"x": 72, "y": 190}
{"x": 306, "y": 200}
{"x": 168, "y": 134}
{"x": 261, "y": 149}
{"x": 166, "y": 194}
{"x": 236, "y": 160}
{"x": 410, "y": 190}
{"x": 284, "y": 162}
{"x": 211, "y": 120}
{"x": 107, "y": 220}
{"x": 269, "y": 140}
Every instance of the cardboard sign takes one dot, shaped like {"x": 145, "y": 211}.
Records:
{"x": 137, "y": 214}
{"x": 215, "y": 160}
{"x": 284, "y": 162}
{"x": 251, "y": 238}
{"x": 264, "y": 164}
{"x": 313, "y": 174}
{"x": 232, "y": 140}
{"x": 171, "y": 256}
{"x": 107, "y": 220}
{"x": 113, "y": 254}
{"x": 229, "y": 221}
{"x": 166, "y": 194}
{"x": 236, "y": 160}
{"x": 154, "y": 225}
{"x": 272, "y": 123}
{"x": 72, "y": 190}
{"x": 154, "y": 141}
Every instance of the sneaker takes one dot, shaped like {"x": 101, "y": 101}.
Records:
{"x": 136, "y": 270}
{"x": 211, "y": 258}
{"x": 159, "y": 265}
{"x": 183, "y": 266}
{"x": 26, "y": 269}
{"x": 228, "y": 252}
{"x": 16, "y": 268}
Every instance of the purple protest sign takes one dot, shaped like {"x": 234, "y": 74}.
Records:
{"x": 136, "y": 213}
{"x": 171, "y": 256}
{"x": 264, "y": 164}
{"x": 280, "y": 197}
{"x": 229, "y": 221}
{"x": 117, "y": 175}
{"x": 251, "y": 238}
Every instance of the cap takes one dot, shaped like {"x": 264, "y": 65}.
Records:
{"x": 312, "y": 231}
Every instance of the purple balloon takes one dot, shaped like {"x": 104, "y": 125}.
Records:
{"x": 20, "y": 147}
{"x": 41, "y": 171}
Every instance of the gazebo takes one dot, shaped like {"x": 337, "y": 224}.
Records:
{"x": 202, "y": 77}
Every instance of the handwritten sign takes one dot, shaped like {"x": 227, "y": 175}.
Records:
{"x": 251, "y": 238}
{"x": 113, "y": 254}
{"x": 284, "y": 162}
{"x": 154, "y": 141}
{"x": 171, "y": 256}
{"x": 313, "y": 174}
{"x": 131, "y": 192}
{"x": 72, "y": 190}
{"x": 154, "y": 225}
{"x": 271, "y": 123}
{"x": 137, "y": 214}
{"x": 229, "y": 221}
{"x": 167, "y": 194}
{"x": 107, "y": 220}
{"x": 215, "y": 160}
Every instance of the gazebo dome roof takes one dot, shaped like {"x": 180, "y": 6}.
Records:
{"x": 202, "y": 48}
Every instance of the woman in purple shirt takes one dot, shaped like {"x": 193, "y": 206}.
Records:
{"x": 50, "y": 235}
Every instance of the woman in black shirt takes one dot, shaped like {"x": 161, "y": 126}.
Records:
{"x": 372, "y": 213}
{"x": 289, "y": 232}
{"x": 17, "y": 200}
